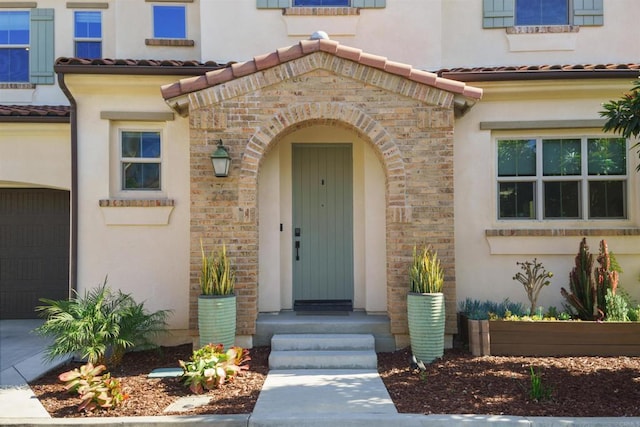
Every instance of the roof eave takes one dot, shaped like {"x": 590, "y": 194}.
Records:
{"x": 492, "y": 76}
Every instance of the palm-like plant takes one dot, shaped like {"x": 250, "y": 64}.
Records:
{"x": 100, "y": 326}
{"x": 623, "y": 115}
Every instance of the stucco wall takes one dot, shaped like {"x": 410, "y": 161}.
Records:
{"x": 35, "y": 155}
{"x": 486, "y": 264}
{"x": 140, "y": 241}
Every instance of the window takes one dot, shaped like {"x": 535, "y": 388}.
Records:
{"x": 140, "y": 160}
{"x": 88, "y": 34}
{"x": 542, "y": 12}
{"x": 509, "y": 13}
{"x": 563, "y": 178}
{"x": 14, "y": 46}
{"x": 321, "y": 2}
{"x": 169, "y": 22}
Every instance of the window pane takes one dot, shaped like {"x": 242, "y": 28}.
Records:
{"x": 542, "y": 12}
{"x": 141, "y": 176}
{"x": 14, "y": 28}
{"x": 607, "y": 199}
{"x": 517, "y": 158}
{"x": 88, "y": 24}
{"x": 141, "y": 144}
{"x": 169, "y": 22}
{"x": 90, "y": 50}
{"x": 561, "y": 157}
{"x": 321, "y": 3}
{"x": 562, "y": 199}
{"x": 14, "y": 65}
{"x": 516, "y": 200}
{"x": 607, "y": 156}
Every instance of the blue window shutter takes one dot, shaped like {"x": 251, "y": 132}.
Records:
{"x": 588, "y": 12}
{"x": 369, "y": 3}
{"x": 498, "y": 13}
{"x": 41, "y": 55}
{"x": 272, "y": 4}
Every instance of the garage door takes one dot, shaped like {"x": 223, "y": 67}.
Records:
{"x": 34, "y": 249}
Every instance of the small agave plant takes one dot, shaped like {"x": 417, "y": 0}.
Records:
{"x": 211, "y": 366}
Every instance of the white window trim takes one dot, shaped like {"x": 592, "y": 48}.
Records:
{"x": 539, "y": 180}
{"x": 116, "y": 178}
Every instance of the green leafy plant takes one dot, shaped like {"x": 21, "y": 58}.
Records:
{"x": 537, "y": 390}
{"x": 623, "y": 115}
{"x": 426, "y": 274}
{"x": 211, "y": 366}
{"x": 95, "y": 390}
{"x": 483, "y": 310}
{"x": 588, "y": 287}
{"x": 217, "y": 277}
{"x": 533, "y": 277}
{"x": 100, "y": 326}
{"x": 617, "y": 308}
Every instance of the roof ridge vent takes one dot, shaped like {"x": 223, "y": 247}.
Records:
{"x": 319, "y": 35}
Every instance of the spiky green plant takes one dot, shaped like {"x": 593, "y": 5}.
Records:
{"x": 217, "y": 277}
{"x": 100, "y": 325}
{"x": 426, "y": 274}
{"x": 623, "y": 115}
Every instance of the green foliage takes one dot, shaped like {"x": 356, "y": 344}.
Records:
{"x": 617, "y": 308}
{"x": 100, "y": 326}
{"x": 217, "y": 277}
{"x": 426, "y": 274}
{"x": 211, "y": 366}
{"x": 482, "y": 310}
{"x": 533, "y": 277}
{"x": 537, "y": 390}
{"x": 634, "y": 314}
{"x": 95, "y": 390}
{"x": 589, "y": 287}
{"x": 623, "y": 115}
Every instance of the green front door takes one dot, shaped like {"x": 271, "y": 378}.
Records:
{"x": 322, "y": 222}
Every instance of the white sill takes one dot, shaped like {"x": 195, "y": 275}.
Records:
{"x": 536, "y": 39}
{"x": 136, "y": 212}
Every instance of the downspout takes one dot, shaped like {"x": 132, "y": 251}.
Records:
{"x": 73, "y": 119}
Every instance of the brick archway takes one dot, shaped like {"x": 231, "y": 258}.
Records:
{"x": 384, "y": 146}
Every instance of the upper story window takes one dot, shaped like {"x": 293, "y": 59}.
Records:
{"x": 140, "y": 160}
{"x": 321, "y": 3}
{"x": 563, "y": 178}
{"x": 88, "y": 34}
{"x": 169, "y": 22}
{"x": 510, "y": 13}
{"x": 542, "y": 12}
{"x": 14, "y": 46}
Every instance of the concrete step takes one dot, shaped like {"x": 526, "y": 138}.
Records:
{"x": 323, "y": 359}
{"x": 357, "y": 322}
{"x": 293, "y": 342}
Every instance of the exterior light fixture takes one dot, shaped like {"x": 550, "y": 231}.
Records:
{"x": 221, "y": 160}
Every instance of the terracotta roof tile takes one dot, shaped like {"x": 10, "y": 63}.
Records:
{"x": 35, "y": 113}
{"x": 306, "y": 47}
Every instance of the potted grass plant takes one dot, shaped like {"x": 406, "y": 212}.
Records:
{"x": 217, "y": 301}
{"x": 425, "y": 306}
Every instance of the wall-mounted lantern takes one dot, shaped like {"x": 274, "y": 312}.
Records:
{"x": 221, "y": 160}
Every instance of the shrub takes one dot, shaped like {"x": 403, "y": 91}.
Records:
{"x": 481, "y": 310}
{"x": 211, "y": 366}
{"x": 100, "y": 326}
{"x": 617, "y": 308}
{"x": 95, "y": 390}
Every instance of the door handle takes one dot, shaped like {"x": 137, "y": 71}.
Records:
{"x": 297, "y": 250}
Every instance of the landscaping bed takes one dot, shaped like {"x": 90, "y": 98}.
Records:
{"x": 456, "y": 384}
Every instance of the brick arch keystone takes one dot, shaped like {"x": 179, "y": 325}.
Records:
{"x": 387, "y": 150}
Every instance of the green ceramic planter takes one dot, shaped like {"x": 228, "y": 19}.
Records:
{"x": 217, "y": 319}
{"x": 426, "y": 315}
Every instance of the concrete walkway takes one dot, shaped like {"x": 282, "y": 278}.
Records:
{"x": 308, "y": 398}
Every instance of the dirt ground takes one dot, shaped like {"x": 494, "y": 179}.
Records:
{"x": 456, "y": 384}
